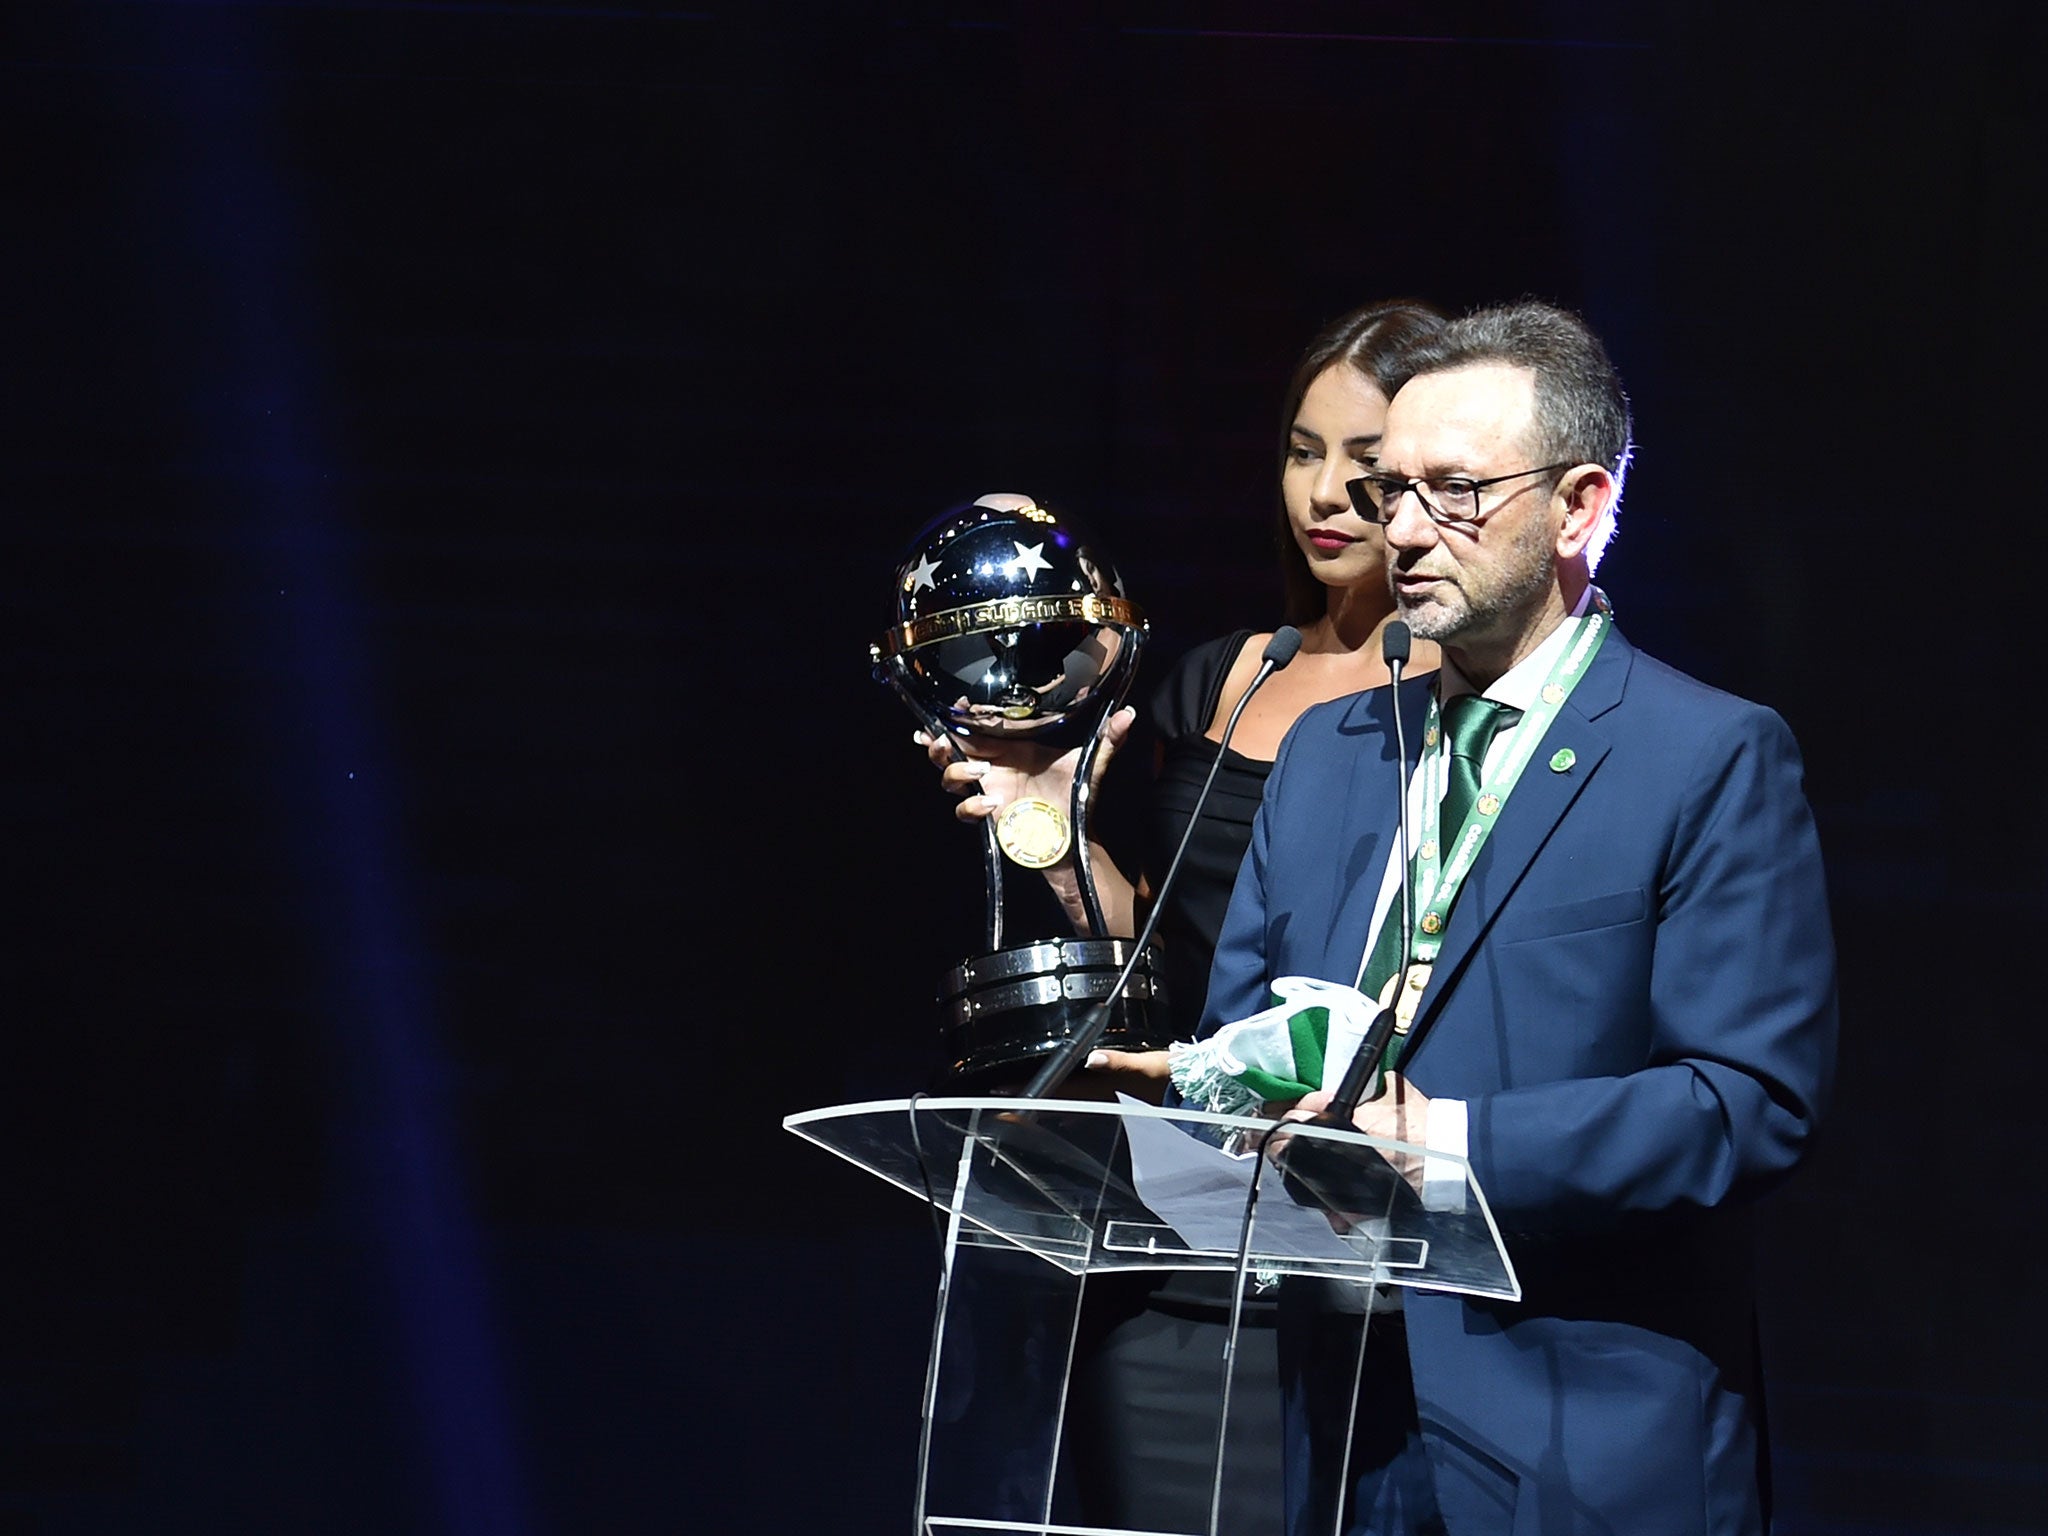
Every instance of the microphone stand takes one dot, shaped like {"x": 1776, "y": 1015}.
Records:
{"x": 1057, "y": 1068}
{"x": 1315, "y": 1165}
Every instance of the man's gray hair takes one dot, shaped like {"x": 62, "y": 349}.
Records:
{"x": 1582, "y": 414}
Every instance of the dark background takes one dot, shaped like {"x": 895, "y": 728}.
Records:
{"x": 455, "y": 457}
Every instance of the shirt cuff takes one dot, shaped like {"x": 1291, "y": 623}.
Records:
{"x": 1443, "y": 1181}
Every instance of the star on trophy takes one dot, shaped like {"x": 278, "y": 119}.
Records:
{"x": 1010, "y": 623}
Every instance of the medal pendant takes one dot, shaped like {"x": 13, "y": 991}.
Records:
{"x": 1405, "y": 1005}
{"x": 1386, "y": 997}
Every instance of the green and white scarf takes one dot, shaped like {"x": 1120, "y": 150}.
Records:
{"x": 1306, "y": 1038}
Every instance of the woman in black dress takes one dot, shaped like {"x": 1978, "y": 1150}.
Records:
{"x": 1148, "y": 1361}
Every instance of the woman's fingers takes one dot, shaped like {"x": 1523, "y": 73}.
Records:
{"x": 964, "y": 778}
{"x": 937, "y": 749}
{"x": 1150, "y": 1065}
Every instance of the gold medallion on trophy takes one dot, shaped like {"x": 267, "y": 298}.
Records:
{"x": 1033, "y": 832}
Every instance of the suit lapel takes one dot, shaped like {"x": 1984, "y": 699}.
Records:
{"x": 1541, "y": 798}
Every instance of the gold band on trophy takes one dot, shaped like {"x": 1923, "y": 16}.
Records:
{"x": 1033, "y": 832}
{"x": 1005, "y": 613}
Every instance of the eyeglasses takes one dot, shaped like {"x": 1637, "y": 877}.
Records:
{"x": 1445, "y": 499}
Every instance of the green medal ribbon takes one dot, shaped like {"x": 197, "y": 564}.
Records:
{"x": 1437, "y": 880}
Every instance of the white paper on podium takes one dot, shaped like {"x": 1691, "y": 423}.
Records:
{"x": 1199, "y": 1191}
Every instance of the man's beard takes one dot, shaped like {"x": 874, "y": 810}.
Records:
{"x": 1526, "y": 570}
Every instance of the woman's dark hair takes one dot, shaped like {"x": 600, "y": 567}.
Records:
{"x": 1376, "y": 340}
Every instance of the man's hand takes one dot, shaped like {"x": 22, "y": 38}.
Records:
{"x": 1400, "y": 1113}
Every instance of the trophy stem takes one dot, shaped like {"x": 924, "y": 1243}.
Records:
{"x": 991, "y": 852}
{"x": 992, "y": 876}
{"x": 1084, "y": 861}
{"x": 1084, "y": 793}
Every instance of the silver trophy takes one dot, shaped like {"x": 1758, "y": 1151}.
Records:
{"x": 1011, "y": 622}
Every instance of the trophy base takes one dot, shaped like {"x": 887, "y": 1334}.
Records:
{"x": 1002, "y": 1014}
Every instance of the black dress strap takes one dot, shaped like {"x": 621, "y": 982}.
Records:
{"x": 1185, "y": 701}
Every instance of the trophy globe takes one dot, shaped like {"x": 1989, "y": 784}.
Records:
{"x": 1010, "y": 623}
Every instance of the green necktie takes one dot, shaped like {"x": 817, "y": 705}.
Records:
{"x": 1469, "y": 723}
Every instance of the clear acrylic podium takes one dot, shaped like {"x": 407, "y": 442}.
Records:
{"x": 1037, "y": 1195}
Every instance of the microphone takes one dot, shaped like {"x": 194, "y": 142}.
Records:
{"x": 1394, "y": 646}
{"x": 1315, "y": 1169}
{"x": 1280, "y": 650}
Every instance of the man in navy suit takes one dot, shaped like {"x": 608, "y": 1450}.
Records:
{"x": 1624, "y": 1015}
